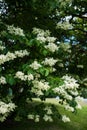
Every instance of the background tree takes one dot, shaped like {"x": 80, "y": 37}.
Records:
{"x": 67, "y": 20}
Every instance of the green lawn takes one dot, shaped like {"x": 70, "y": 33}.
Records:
{"x": 78, "y": 121}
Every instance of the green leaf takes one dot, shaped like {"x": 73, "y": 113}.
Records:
{"x": 46, "y": 72}
{"x": 10, "y": 79}
{"x": 45, "y": 52}
{"x": 0, "y": 69}
{"x": 41, "y": 70}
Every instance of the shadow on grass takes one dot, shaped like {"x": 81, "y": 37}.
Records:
{"x": 78, "y": 122}
{"x": 31, "y": 125}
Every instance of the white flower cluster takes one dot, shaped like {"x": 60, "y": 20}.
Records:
{"x": 30, "y": 116}
{"x": 47, "y": 118}
{"x": 5, "y": 109}
{"x": 39, "y": 87}
{"x": 70, "y": 85}
{"x": 78, "y": 99}
{"x": 60, "y": 65}
{"x": 43, "y": 36}
{"x": 40, "y": 32}
{"x": 65, "y": 118}
{"x": 15, "y": 30}
{"x": 80, "y": 66}
{"x": 21, "y": 53}
{"x": 41, "y": 39}
{"x": 48, "y": 110}
{"x": 69, "y": 108}
{"x": 49, "y": 61}
{"x": 36, "y": 118}
{"x": 51, "y": 47}
{"x": 48, "y": 114}
{"x": 2, "y": 80}
{"x": 35, "y": 65}
{"x": 78, "y": 106}
{"x": 50, "y": 39}
{"x": 11, "y": 56}
{"x": 65, "y": 25}
{"x": 64, "y": 3}
{"x": 67, "y": 91}
{"x": 23, "y": 77}
{"x": 53, "y": 69}
{"x": 1, "y": 46}
{"x": 66, "y": 47}
{"x": 63, "y": 92}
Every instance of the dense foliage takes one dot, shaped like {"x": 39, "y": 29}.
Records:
{"x": 66, "y": 19}
{"x": 39, "y": 44}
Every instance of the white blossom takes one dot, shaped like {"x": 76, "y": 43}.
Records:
{"x": 30, "y": 116}
{"x": 35, "y": 65}
{"x": 75, "y": 93}
{"x": 51, "y": 39}
{"x": 40, "y": 32}
{"x": 48, "y": 110}
{"x": 19, "y": 75}
{"x": 5, "y": 109}
{"x": 2, "y": 80}
{"x": 68, "y": 97}
{"x": 79, "y": 106}
{"x": 2, "y": 47}
{"x": 2, "y": 59}
{"x": 37, "y": 118}
{"x": 65, "y": 118}
{"x": 70, "y": 83}
{"x": 47, "y": 118}
{"x": 63, "y": 92}
{"x": 53, "y": 69}
{"x": 60, "y": 65}
{"x": 69, "y": 108}
{"x": 68, "y": 89}
{"x": 42, "y": 39}
{"x": 79, "y": 98}
{"x": 65, "y": 25}
{"x": 42, "y": 36}
{"x": 23, "y": 77}
{"x": 66, "y": 47}
{"x": 30, "y": 77}
{"x": 39, "y": 87}
{"x": 51, "y": 47}
{"x": 15, "y": 30}
{"x": 49, "y": 61}
{"x": 21, "y": 53}
{"x": 11, "y": 56}
{"x": 80, "y": 66}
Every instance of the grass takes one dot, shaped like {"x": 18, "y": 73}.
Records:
{"x": 78, "y": 121}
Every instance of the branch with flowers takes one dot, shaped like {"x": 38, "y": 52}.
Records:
{"x": 28, "y": 68}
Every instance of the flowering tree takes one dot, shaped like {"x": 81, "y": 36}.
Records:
{"x": 28, "y": 68}
{"x": 66, "y": 19}
{"x": 40, "y": 56}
